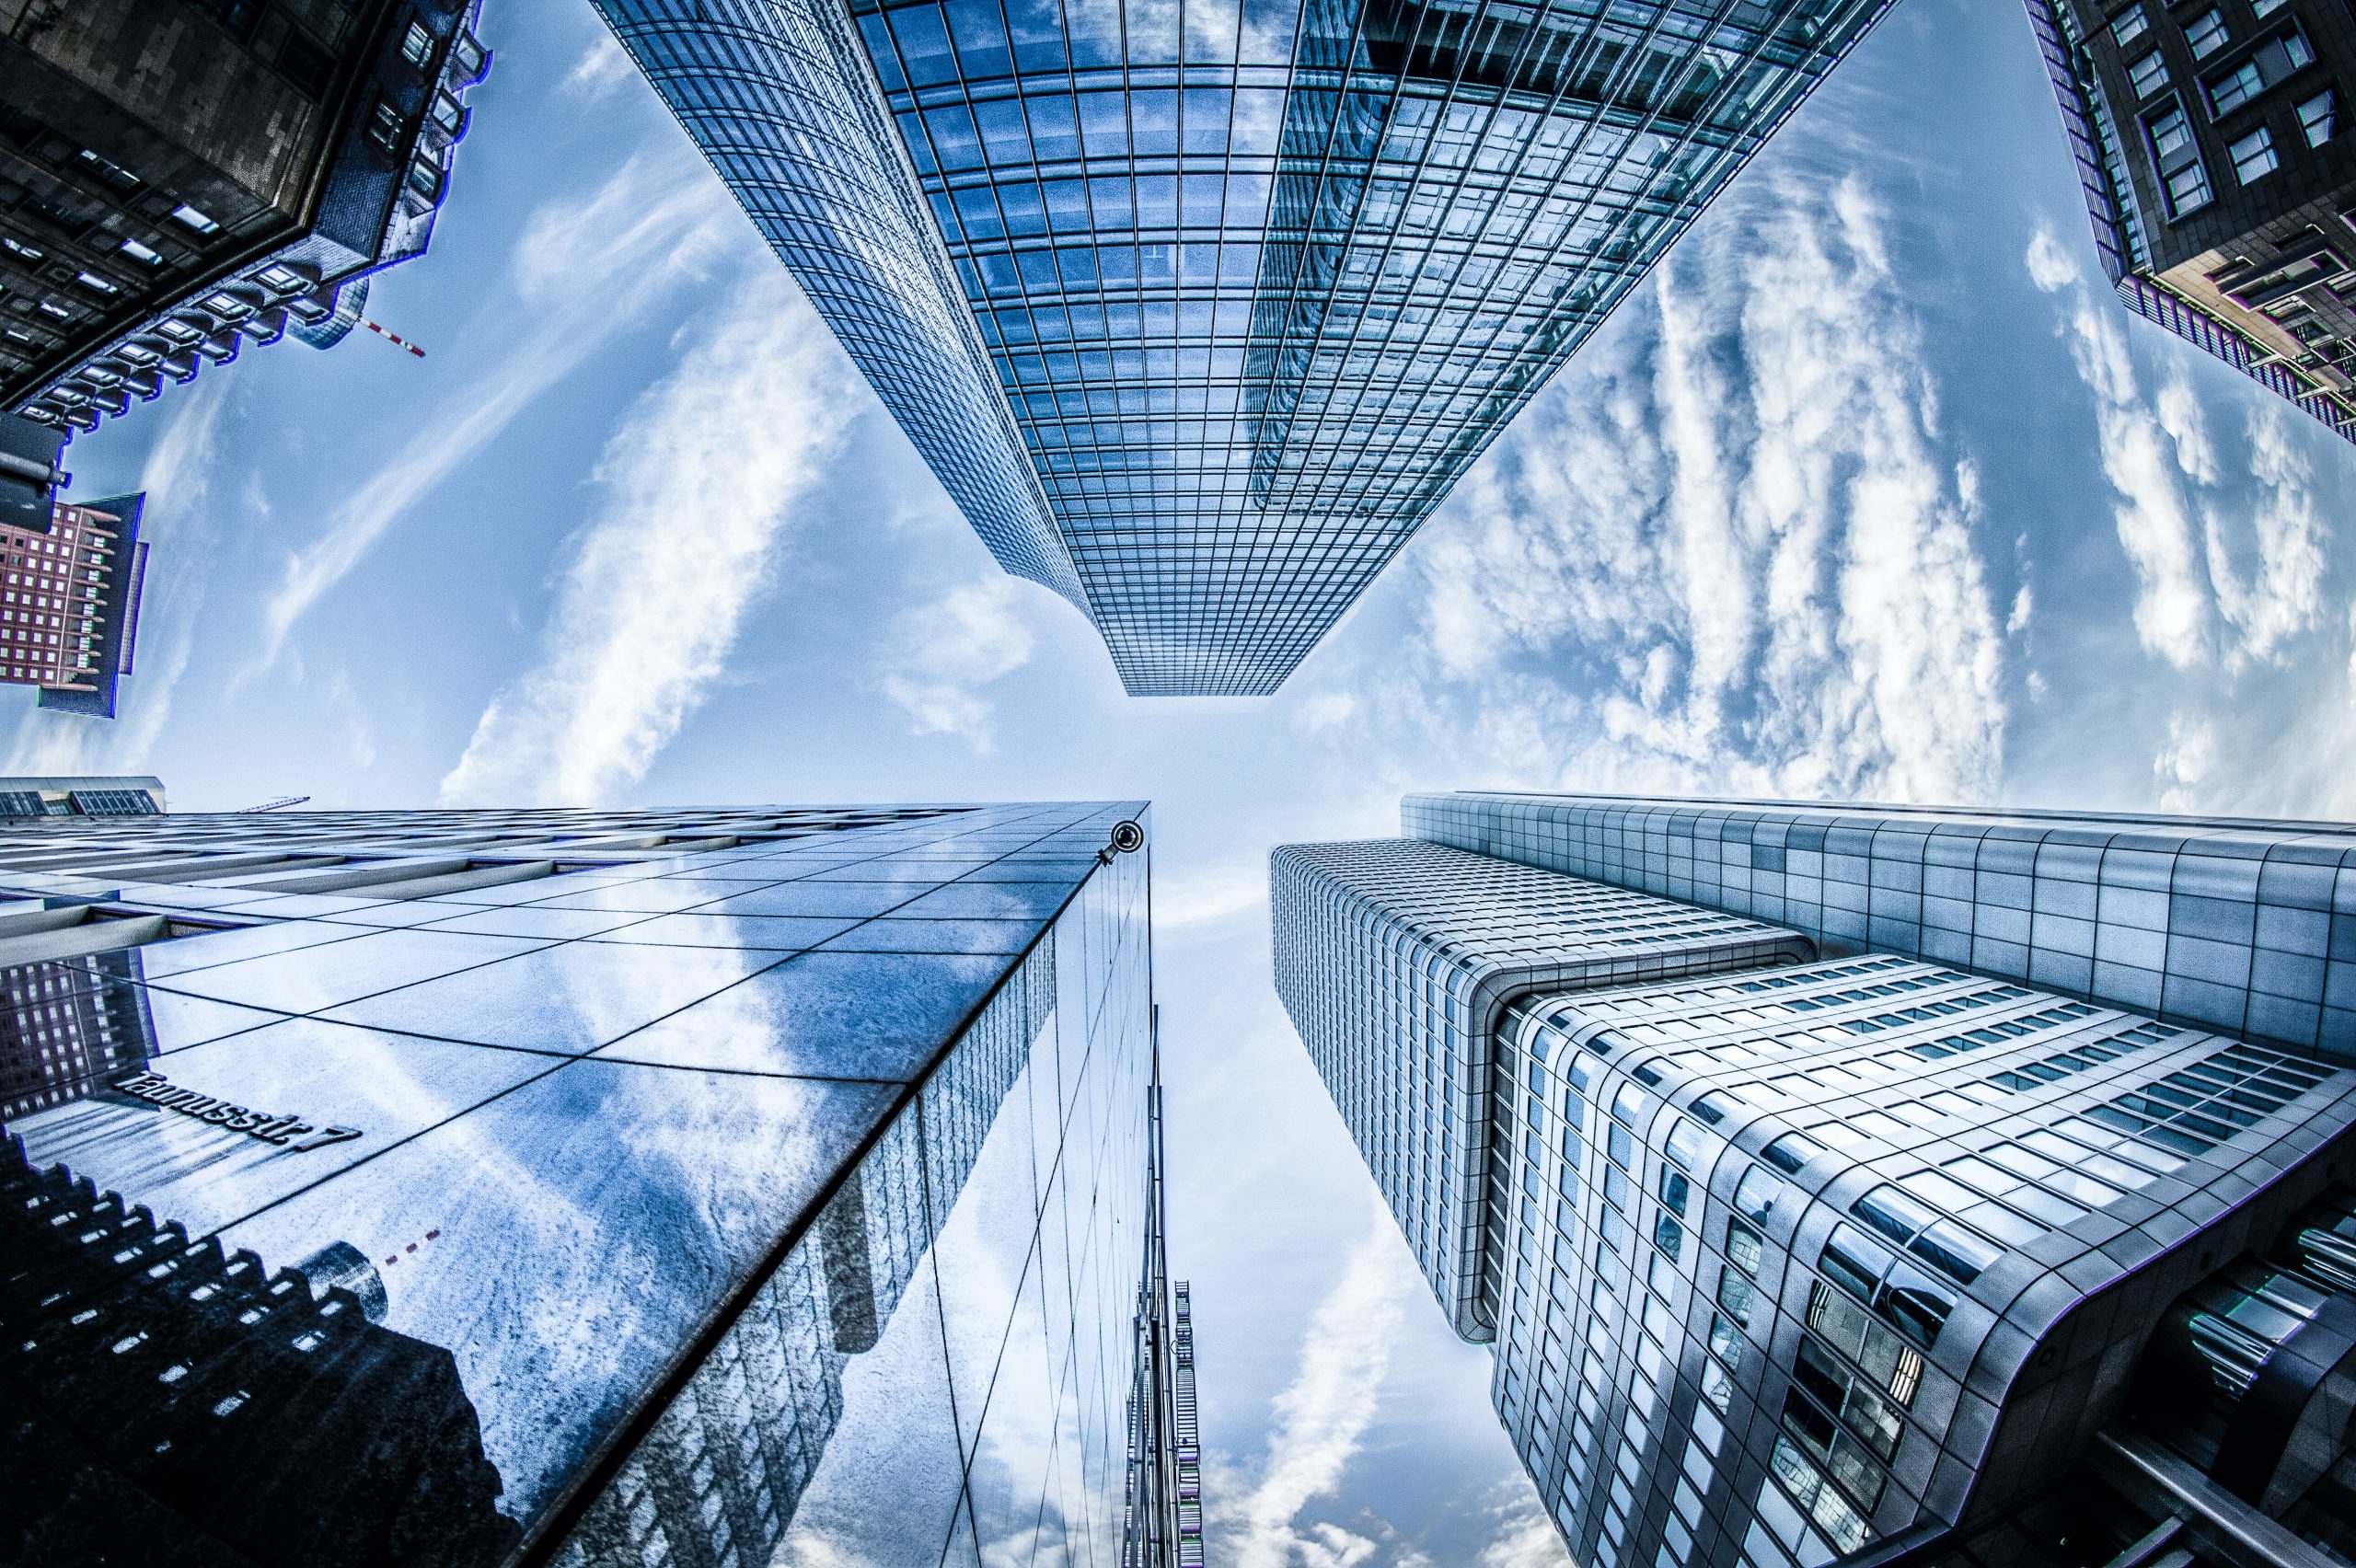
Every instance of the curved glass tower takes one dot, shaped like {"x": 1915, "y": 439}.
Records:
{"x": 1198, "y": 310}
{"x": 1817, "y": 1208}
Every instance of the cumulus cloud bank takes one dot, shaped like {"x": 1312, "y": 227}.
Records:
{"x": 1733, "y": 527}
{"x": 700, "y": 482}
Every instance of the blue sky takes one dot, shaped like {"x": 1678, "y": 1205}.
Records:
{"x": 1870, "y": 492}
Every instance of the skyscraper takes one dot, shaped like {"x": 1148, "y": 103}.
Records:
{"x": 1197, "y": 312}
{"x": 586, "y": 1187}
{"x": 1802, "y": 1232}
{"x": 179, "y": 182}
{"x": 69, "y": 614}
{"x": 2211, "y": 144}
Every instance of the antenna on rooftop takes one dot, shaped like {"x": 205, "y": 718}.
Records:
{"x": 393, "y": 338}
{"x": 279, "y": 804}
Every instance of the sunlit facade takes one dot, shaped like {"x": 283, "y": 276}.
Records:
{"x": 1197, "y": 313}
{"x": 604, "y": 1189}
{"x": 1793, "y": 1250}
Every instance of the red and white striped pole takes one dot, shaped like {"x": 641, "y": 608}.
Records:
{"x": 393, "y": 338}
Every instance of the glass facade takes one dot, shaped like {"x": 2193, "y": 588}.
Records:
{"x": 1786, "y": 1254}
{"x": 1198, "y": 311}
{"x": 577, "y": 1187}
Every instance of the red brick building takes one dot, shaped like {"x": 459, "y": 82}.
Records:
{"x": 69, "y": 600}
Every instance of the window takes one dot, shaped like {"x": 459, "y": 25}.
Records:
{"x": 18, "y": 248}
{"x": 2127, "y": 26}
{"x": 2319, "y": 118}
{"x": 1908, "y": 1299}
{"x": 2205, "y": 33}
{"x": 1745, "y": 1247}
{"x": 2149, "y": 73}
{"x": 2275, "y": 60}
{"x": 113, "y": 173}
{"x": 425, "y": 179}
{"x": 448, "y": 114}
{"x": 2253, "y": 155}
{"x": 139, "y": 253}
{"x": 2266, "y": 7}
{"x": 385, "y": 128}
{"x": 1755, "y": 1194}
{"x": 417, "y": 45}
{"x": 1851, "y": 1398}
{"x": 2178, "y": 156}
{"x": 1790, "y": 1152}
{"x": 1925, "y": 1232}
{"x": 1735, "y": 1294}
{"x": 190, "y": 217}
{"x": 92, "y": 281}
{"x": 280, "y": 280}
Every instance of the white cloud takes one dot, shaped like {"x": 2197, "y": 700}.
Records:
{"x": 941, "y": 655}
{"x": 2283, "y": 594}
{"x": 178, "y": 523}
{"x": 581, "y": 272}
{"x": 1525, "y": 1537}
{"x": 1735, "y": 527}
{"x": 2196, "y": 565}
{"x": 2143, "y": 458}
{"x": 1319, "y": 1420}
{"x": 2186, "y": 762}
{"x": 1205, "y": 895}
{"x": 2051, "y": 268}
{"x": 603, "y": 69}
{"x": 700, "y": 481}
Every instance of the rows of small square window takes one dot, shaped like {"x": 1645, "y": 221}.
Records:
{"x": 1569, "y": 1438}
{"x": 1810, "y": 1063}
{"x": 2197, "y": 1107}
{"x": 1845, "y": 1412}
{"x": 889, "y": 46}
{"x": 1397, "y": 1063}
{"x": 1747, "y": 1015}
{"x": 2016, "y": 1186}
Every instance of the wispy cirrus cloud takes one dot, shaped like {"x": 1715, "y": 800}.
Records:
{"x": 582, "y": 273}
{"x": 2213, "y": 579}
{"x": 700, "y": 482}
{"x": 1734, "y": 547}
{"x": 1319, "y": 1420}
{"x": 940, "y": 655}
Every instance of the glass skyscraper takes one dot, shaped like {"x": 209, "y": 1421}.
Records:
{"x": 1803, "y": 1232}
{"x": 1198, "y": 310}
{"x": 580, "y": 1187}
